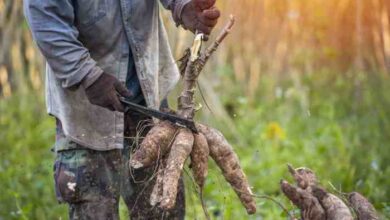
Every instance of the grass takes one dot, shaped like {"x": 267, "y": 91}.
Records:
{"x": 320, "y": 120}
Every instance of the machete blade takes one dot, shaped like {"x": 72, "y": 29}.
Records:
{"x": 190, "y": 124}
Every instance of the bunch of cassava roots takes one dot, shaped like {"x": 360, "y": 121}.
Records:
{"x": 315, "y": 203}
{"x": 171, "y": 145}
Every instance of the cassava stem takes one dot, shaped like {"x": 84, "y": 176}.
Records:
{"x": 195, "y": 62}
{"x": 185, "y": 143}
{"x": 159, "y": 139}
{"x": 213, "y": 47}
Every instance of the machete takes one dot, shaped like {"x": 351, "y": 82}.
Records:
{"x": 190, "y": 124}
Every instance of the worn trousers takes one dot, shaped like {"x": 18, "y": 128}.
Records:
{"x": 92, "y": 182}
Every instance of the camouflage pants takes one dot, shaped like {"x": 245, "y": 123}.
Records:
{"x": 91, "y": 182}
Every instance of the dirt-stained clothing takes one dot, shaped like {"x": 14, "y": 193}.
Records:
{"x": 91, "y": 182}
{"x": 80, "y": 40}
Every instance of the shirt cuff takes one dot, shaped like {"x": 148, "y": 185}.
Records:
{"x": 91, "y": 77}
{"x": 177, "y": 9}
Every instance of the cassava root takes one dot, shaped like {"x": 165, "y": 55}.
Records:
{"x": 156, "y": 143}
{"x": 226, "y": 159}
{"x": 199, "y": 159}
{"x": 173, "y": 145}
{"x": 316, "y": 203}
{"x": 364, "y": 209}
{"x": 198, "y": 147}
{"x": 157, "y": 192}
{"x": 181, "y": 149}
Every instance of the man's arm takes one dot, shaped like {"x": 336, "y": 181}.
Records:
{"x": 176, "y": 7}
{"x": 195, "y": 15}
{"x": 52, "y": 26}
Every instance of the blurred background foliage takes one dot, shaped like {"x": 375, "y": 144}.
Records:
{"x": 300, "y": 82}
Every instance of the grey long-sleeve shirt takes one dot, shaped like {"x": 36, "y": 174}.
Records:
{"x": 82, "y": 38}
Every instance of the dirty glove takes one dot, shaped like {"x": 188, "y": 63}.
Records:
{"x": 197, "y": 15}
{"x": 104, "y": 92}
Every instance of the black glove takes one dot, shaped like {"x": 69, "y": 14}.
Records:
{"x": 200, "y": 15}
{"x": 104, "y": 92}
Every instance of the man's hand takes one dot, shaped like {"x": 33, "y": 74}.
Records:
{"x": 104, "y": 92}
{"x": 200, "y": 15}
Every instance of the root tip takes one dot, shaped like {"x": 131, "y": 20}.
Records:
{"x": 166, "y": 204}
{"x": 251, "y": 210}
{"x": 136, "y": 164}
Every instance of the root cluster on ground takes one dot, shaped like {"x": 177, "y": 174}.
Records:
{"x": 316, "y": 203}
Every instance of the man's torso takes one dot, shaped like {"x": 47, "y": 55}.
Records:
{"x": 112, "y": 31}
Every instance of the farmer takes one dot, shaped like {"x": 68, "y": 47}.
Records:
{"x": 95, "y": 51}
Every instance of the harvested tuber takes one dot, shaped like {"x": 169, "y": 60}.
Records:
{"x": 156, "y": 195}
{"x": 181, "y": 149}
{"x": 199, "y": 159}
{"x": 222, "y": 153}
{"x": 318, "y": 204}
{"x": 309, "y": 205}
{"x": 365, "y": 210}
{"x": 174, "y": 144}
{"x": 334, "y": 206}
{"x": 157, "y": 141}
